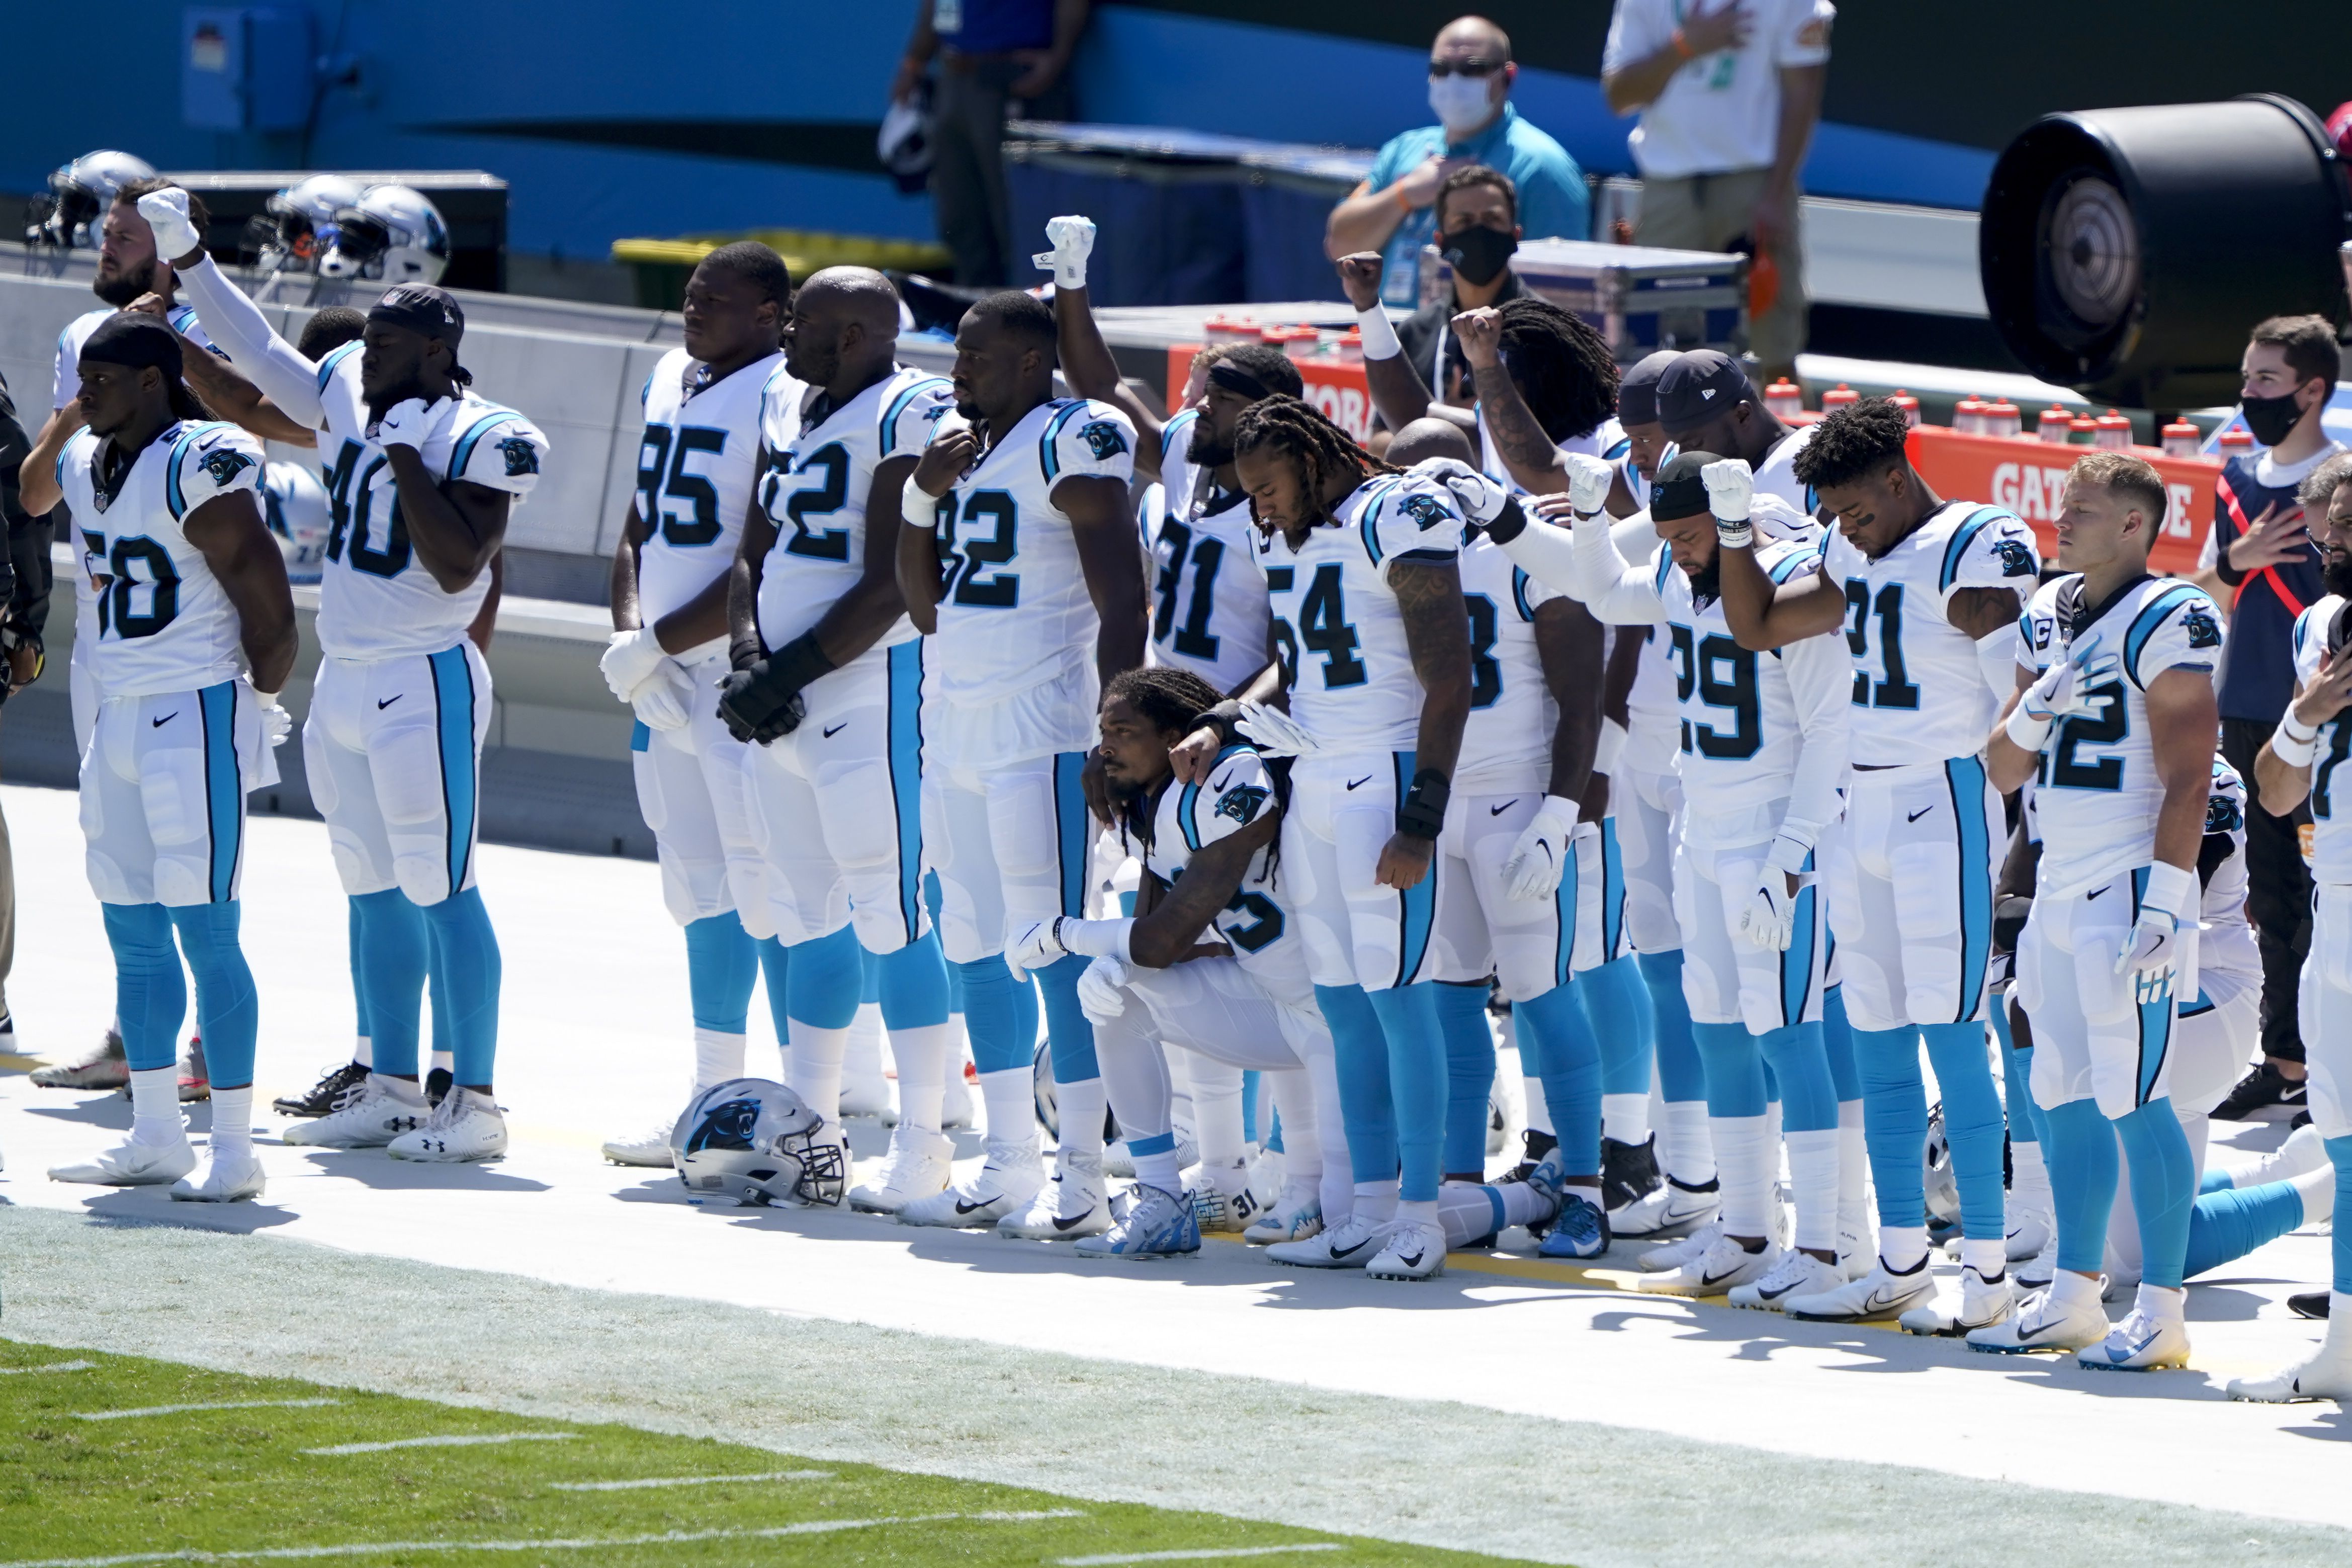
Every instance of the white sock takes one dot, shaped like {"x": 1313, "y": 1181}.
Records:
{"x": 1625, "y": 1118}
{"x": 1900, "y": 1247}
{"x": 1160, "y": 1171}
{"x": 864, "y": 1052}
{"x": 2335, "y": 1344}
{"x": 1417, "y": 1213}
{"x": 816, "y": 1074}
{"x": 1686, "y": 1149}
{"x": 407, "y": 1090}
{"x": 446, "y": 1061}
{"x": 1538, "y": 1110}
{"x": 1010, "y": 1100}
{"x": 1522, "y": 1203}
{"x": 1079, "y": 1108}
{"x": 155, "y": 1106}
{"x": 1746, "y": 1159}
{"x": 922, "y": 1056}
{"x": 2168, "y": 1305}
{"x": 1293, "y": 1100}
{"x": 2074, "y": 1290}
{"x": 233, "y": 1122}
{"x": 1465, "y": 1211}
{"x": 1813, "y": 1172}
{"x": 1854, "y": 1171}
{"x": 1375, "y": 1201}
{"x": 1988, "y": 1258}
{"x": 2028, "y": 1179}
{"x": 2317, "y": 1189}
{"x": 1216, "y": 1109}
{"x": 716, "y": 1058}
{"x": 364, "y": 1052}
{"x": 1772, "y": 1134}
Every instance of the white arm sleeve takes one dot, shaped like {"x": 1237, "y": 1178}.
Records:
{"x": 1584, "y": 563}
{"x": 269, "y": 360}
{"x": 1821, "y": 679}
{"x": 1997, "y": 657}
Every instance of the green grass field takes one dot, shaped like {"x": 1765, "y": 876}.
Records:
{"x": 116, "y": 1460}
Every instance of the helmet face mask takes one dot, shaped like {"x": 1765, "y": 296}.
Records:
{"x": 754, "y": 1139}
{"x": 391, "y": 232}
{"x": 297, "y": 227}
{"x": 79, "y": 194}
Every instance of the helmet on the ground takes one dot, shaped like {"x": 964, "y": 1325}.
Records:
{"x": 391, "y": 233}
{"x": 79, "y": 194}
{"x": 753, "y": 1140}
{"x": 297, "y": 224}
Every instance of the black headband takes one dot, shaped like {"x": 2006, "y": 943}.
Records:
{"x": 137, "y": 341}
{"x": 1233, "y": 378}
{"x": 1679, "y": 490}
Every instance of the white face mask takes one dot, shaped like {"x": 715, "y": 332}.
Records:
{"x": 1460, "y": 102}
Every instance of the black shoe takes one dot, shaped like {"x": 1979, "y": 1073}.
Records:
{"x": 436, "y": 1087}
{"x": 2302, "y": 1119}
{"x": 1534, "y": 1146}
{"x": 2310, "y": 1304}
{"x": 2262, "y": 1087}
{"x": 324, "y": 1095}
{"x": 1629, "y": 1172}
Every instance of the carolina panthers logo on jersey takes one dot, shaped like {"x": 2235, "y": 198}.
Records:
{"x": 523, "y": 457}
{"x": 2203, "y": 631}
{"x": 727, "y": 1126}
{"x": 224, "y": 465}
{"x": 1426, "y": 510}
{"x": 2016, "y": 560}
{"x": 2222, "y": 816}
{"x": 1241, "y": 803}
{"x": 1104, "y": 439}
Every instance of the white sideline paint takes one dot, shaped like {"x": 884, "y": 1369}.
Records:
{"x": 188, "y": 1409}
{"x": 667, "y": 1538}
{"x": 1203, "y": 1553}
{"x": 689, "y": 1481}
{"x": 51, "y": 1366}
{"x": 460, "y": 1440}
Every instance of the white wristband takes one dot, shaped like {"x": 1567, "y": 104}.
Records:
{"x": 918, "y": 505}
{"x": 1609, "y": 748}
{"x": 2169, "y": 888}
{"x": 266, "y": 699}
{"x": 2295, "y": 753}
{"x": 1791, "y": 847}
{"x": 1380, "y": 335}
{"x": 1093, "y": 939}
{"x": 1735, "y": 532}
{"x": 2026, "y": 732}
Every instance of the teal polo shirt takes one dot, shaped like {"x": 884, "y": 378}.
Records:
{"x": 1553, "y": 202}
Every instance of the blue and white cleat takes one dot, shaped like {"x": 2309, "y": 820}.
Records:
{"x": 2154, "y": 1335}
{"x": 1152, "y": 1224}
{"x": 1580, "y": 1230}
{"x": 2065, "y": 1317}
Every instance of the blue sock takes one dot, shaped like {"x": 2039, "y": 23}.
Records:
{"x": 1026, "y": 1015}
{"x": 1837, "y": 1044}
{"x": 1800, "y": 1066}
{"x": 1735, "y": 1069}
{"x": 1972, "y": 1124}
{"x": 1681, "y": 1075}
{"x": 391, "y": 956}
{"x": 1250, "y": 1086}
{"x": 1556, "y": 1038}
{"x": 1617, "y": 1004}
{"x": 912, "y": 983}
{"x": 723, "y": 965}
{"x": 776, "y": 980}
{"x": 2080, "y": 1154}
{"x": 1469, "y": 1075}
{"x": 468, "y": 950}
{"x": 1361, "y": 1052}
{"x": 1408, "y": 1016}
{"x": 359, "y": 991}
{"x": 827, "y": 978}
{"x": 1070, "y": 1033}
{"x": 872, "y": 963}
{"x": 228, "y": 1015}
{"x": 2226, "y": 1226}
{"x": 2163, "y": 1189}
{"x": 2340, "y": 1150}
{"x": 1894, "y": 1123}
{"x": 992, "y": 1016}
{"x": 436, "y": 998}
{"x": 2015, "y": 1079}
{"x": 151, "y": 994}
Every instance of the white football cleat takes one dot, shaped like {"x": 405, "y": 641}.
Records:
{"x": 2030, "y": 1231}
{"x": 1668, "y": 1209}
{"x": 1350, "y": 1246}
{"x": 1675, "y": 1254}
{"x": 225, "y": 1180}
{"x": 465, "y": 1128}
{"x": 2153, "y": 1335}
{"x": 919, "y": 1166}
{"x": 1222, "y": 1200}
{"x": 103, "y": 1067}
{"x": 132, "y": 1164}
{"x": 371, "y": 1114}
{"x": 649, "y": 1148}
{"x": 1295, "y": 1214}
{"x": 1070, "y": 1205}
{"x": 1797, "y": 1273}
{"x": 2058, "y": 1319}
{"x": 1978, "y": 1303}
{"x": 1725, "y": 1263}
{"x": 2318, "y": 1376}
{"x": 1009, "y": 1176}
{"x": 2036, "y": 1272}
{"x": 1880, "y": 1293}
{"x": 1414, "y": 1250}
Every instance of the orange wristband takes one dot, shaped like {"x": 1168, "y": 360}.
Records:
{"x": 1403, "y": 205}
{"x": 1682, "y": 45}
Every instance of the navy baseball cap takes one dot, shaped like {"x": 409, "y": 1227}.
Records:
{"x": 1698, "y": 388}
{"x": 421, "y": 308}
{"x": 1678, "y": 491}
{"x": 1637, "y": 393}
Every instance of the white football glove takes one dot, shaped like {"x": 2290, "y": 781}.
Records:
{"x": 1034, "y": 948}
{"x": 1073, "y": 241}
{"x": 1539, "y": 858}
{"x": 1475, "y": 496}
{"x": 412, "y": 421}
{"x": 2151, "y": 952}
{"x": 1769, "y": 920}
{"x": 1730, "y": 496}
{"x": 1100, "y": 994}
{"x": 1588, "y": 480}
{"x": 630, "y": 659}
{"x": 276, "y": 722}
{"x": 663, "y": 699}
{"x": 1273, "y": 732}
{"x": 2066, "y": 688}
{"x": 166, "y": 212}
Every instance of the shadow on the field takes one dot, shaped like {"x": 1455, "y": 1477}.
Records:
{"x": 155, "y": 1206}
{"x": 2214, "y": 1301}
{"x": 2328, "y": 1423}
{"x": 376, "y": 1169}
{"x": 110, "y": 1111}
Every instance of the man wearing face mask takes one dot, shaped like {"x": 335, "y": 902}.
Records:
{"x": 1394, "y": 210}
{"x": 2263, "y": 550}
{"x": 1477, "y": 211}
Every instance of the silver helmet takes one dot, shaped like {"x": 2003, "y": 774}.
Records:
{"x": 391, "y": 232}
{"x": 754, "y": 1141}
{"x": 297, "y": 224}
{"x": 79, "y": 194}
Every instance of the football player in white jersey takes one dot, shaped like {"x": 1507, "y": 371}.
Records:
{"x": 697, "y": 458}
{"x": 1373, "y": 655}
{"x": 1020, "y": 566}
{"x": 1764, "y": 755}
{"x": 2304, "y": 760}
{"x": 1928, "y": 594}
{"x": 421, "y": 474}
{"x": 1707, "y": 403}
{"x": 2114, "y": 719}
{"x": 189, "y": 578}
{"x": 829, "y": 682}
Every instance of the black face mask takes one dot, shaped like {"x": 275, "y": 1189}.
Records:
{"x": 2271, "y": 419}
{"x": 1480, "y": 254}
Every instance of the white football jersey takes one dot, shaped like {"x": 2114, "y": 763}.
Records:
{"x": 1014, "y": 612}
{"x": 1653, "y": 717}
{"x": 1208, "y": 599}
{"x": 815, "y": 493}
{"x": 65, "y": 384}
{"x": 294, "y": 505}
{"x": 165, "y": 623}
{"x": 376, "y": 600}
{"x": 1238, "y": 791}
{"x": 2098, "y": 791}
{"x": 2326, "y": 625}
{"x": 1776, "y": 474}
{"x": 696, "y": 458}
{"x": 1336, "y": 627}
{"x": 1919, "y": 691}
{"x": 1507, "y": 746}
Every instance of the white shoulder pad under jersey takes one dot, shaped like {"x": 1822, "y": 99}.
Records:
{"x": 1208, "y": 599}
{"x": 1919, "y": 692}
{"x": 697, "y": 454}
{"x": 1740, "y": 735}
{"x": 1776, "y": 473}
{"x": 1507, "y": 746}
{"x": 1239, "y": 790}
{"x": 2326, "y": 627}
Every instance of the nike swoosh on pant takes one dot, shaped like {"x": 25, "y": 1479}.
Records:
{"x": 390, "y": 701}
{"x": 836, "y": 730}
{"x": 1918, "y": 813}
{"x": 1499, "y": 810}
{"x": 1365, "y": 780}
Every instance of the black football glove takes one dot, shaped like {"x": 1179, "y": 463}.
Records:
{"x": 762, "y": 700}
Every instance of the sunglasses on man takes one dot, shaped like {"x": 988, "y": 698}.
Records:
{"x": 1466, "y": 68}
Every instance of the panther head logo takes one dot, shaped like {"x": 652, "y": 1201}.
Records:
{"x": 1241, "y": 803}
{"x": 1426, "y": 510}
{"x": 2202, "y": 629}
{"x": 2222, "y": 816}
{"x": 1104, "y": 439}
{"x": 727, "y": 1126}
{"x": 523, "y": 457}
{"x": 2016, "y": 560}
{"x": 225, "y": 465}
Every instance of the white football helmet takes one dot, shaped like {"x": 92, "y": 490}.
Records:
{"x": 295, "y": 505}
{"x": 299, "y": 222}
{"x": 753, "y": 1138}
{"x": 78, "y": 195}
{"x": 391, "y": 233}
{"x": 904, "y": 141}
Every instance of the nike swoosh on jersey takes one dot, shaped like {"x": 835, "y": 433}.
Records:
{"x": 2088, "y": 897}
{"x": 158, "y": 723}
{"x": 390, "y": 701}
{"x": 1365, "y": 780}
{"x": 1918, "y": 813}
{"x": 836, "y": 730}
{"x": 1499, "y": 810}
